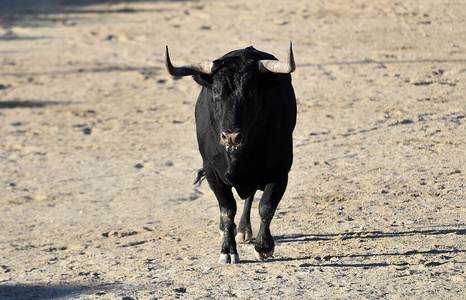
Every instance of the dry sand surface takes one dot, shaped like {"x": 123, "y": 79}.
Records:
{"x": 98, "y": 151}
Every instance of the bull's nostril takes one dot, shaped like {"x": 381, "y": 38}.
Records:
{"x": 224, "y": 137}
{"x": 237, "y": 138}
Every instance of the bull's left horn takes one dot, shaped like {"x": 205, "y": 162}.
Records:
{"x": 193, "y": 69}
{"x": 275, "y": 66}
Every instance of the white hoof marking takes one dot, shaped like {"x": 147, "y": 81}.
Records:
{"x": 224, "y": 259}
{"x": 228, "y": 259}
{"x": 234, "y": 259}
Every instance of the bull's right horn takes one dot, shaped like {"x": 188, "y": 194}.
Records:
{"x": 193, "y": 69}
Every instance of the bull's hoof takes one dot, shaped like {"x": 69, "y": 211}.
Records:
{"x": 224, "y": 259}
{"x": 243, "y": 237}
{"x": 234, "y": 259}
{"x": 228, "y": 259}
{"x": 263, "y": 256}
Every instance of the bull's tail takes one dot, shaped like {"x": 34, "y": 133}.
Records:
{"x": 200, "y": 177}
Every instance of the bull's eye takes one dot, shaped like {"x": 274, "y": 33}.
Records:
{"x": 214, "y": 93}
{"x": 252, "y": 93}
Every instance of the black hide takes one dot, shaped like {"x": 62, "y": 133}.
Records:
{"x": 260, "y": 111}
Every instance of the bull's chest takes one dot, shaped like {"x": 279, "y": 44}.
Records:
{"x": 243, "y": 175}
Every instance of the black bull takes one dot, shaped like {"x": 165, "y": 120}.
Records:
{"x": 245, "y": 116}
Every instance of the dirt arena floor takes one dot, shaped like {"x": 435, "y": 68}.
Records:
{"x": 98, "y": 151}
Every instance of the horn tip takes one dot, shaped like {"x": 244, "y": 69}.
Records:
{"x": 168, "y": 64}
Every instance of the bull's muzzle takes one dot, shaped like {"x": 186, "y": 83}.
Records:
{"x": 231, "y": 141}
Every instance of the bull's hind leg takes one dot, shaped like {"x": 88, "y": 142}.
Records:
{"x": 244, "y": 232}
{"x": 265, "y": 245}
{"x": 227, "y": 205}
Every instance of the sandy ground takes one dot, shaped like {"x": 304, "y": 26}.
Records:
{"x": 98, "y": 151}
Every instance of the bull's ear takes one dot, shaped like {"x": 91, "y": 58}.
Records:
{"x": 204, "y": 80}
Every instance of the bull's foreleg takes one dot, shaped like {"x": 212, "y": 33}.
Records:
{"x": 265, "y": 245}
{"x": 244, "y": 234}
{"x": 228, "y": 253}
{"x": 227, "y": 205}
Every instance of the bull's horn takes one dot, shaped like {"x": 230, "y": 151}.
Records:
{"x": 193, "y": 69}
{"x": 275, "y": 66}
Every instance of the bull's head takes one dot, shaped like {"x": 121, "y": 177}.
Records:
{"x": 236, "y": 85}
